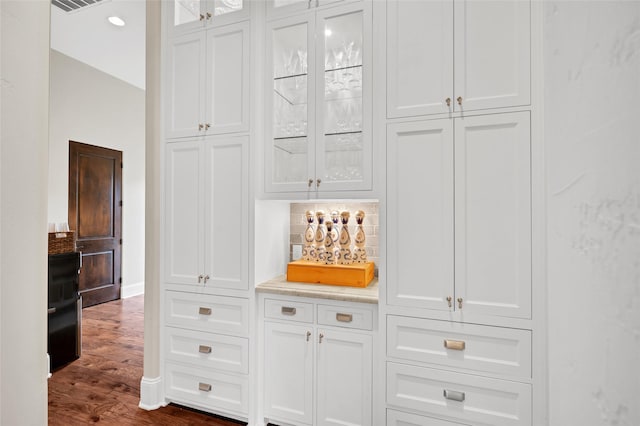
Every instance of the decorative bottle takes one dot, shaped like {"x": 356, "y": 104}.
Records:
{"x": 331, "y": 251}
{"x": 345, "y": 240}
{"x": 308, "y": 250}
{"x": 359, "y": 252}
{"x": 321, "y": 234}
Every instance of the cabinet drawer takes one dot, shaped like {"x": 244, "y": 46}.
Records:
{"x": 466, "y": 397}
{"x": 499, "y": 350}
{"x": 204, "y": 312}
{"x": 288, "y": 310}
{"x": 351, "y": 317}
{"x": 207, "y": 389}
{"x": 399, "y": 418}
{"x": 208, "y": 350}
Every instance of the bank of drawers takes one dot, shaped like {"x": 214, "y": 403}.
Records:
{"x": 207, "y": 351}
{"x": 462, "y": 373}
{"x": 332, "y": 315}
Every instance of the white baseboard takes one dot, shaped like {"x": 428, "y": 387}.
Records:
{"x": 151, "y": 394}
{"x": 131, "y": 290}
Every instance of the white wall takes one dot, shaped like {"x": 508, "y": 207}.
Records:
{"x": 592, "y": 141}
{"x": 24, "y": 91}
{"x": 92, "y": 107}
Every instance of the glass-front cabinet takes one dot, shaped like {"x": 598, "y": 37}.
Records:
{"x": 193, "y": 14}
{"x": 319, "y": 101}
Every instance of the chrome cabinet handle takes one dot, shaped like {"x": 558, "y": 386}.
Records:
{"x": 200, "y": 277}
{"x": 320, "y": 338}
{"x": 455, "y": 345}
{"x": 453, "y": 395}
{"x": 51, "y": 311}
{"x": 206, "y": 278}
{"x": 200, "y": 125}
{"x": 448, "y": 101}
{"x": 459, "y": 302}
{"x": 204, "y": 311}
{"x": 310, "y": 182}
{"x": 205, "y": 387}
{"x": 201, "y": 17}
{"x": 318, "y": 182}
{"x": 206, "y": 126}
{"x": 459, "y": 99}
{"x": 208, "y": 15}
{"x": 203, "y": 349}
{"x": 308, "y": 335}
{"x": 288, "y": 310}
{"x": 344, "y": 317}
{"x": 449, "y": 299}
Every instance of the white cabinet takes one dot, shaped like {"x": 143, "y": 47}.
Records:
{"x": 474, "y": 258}
{"x": 206, "y": 351}
{"x": 317, "y": 374}
{"x": 344, "y": 372}
{"x": 206, "y": 212}
{"x": 318, "y": 101}
{"x": 456, "y": 56}
{"x": 189, "y": 15}
{"x": 208, "y": 82}
{"x": 288, "y": 372}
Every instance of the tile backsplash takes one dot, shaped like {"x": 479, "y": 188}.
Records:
{"x": 298, "y": 223}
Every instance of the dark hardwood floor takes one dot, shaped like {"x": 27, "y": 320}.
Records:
{"x": 103, "y": 386}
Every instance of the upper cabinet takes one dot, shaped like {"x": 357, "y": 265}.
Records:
{"x": 189, "y": 15}
{"x": 208, "y": 79}
{"x": 318, "y": 101}
{"x": 465, "y": 55}
{"x": 459, "y": 215}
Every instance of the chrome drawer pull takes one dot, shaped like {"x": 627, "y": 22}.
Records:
{"x": 288, "y": 310}
{"x": 205, "y": 387}
{"x": 456, "y": 345}
{"x": 204, "y": 349}
{"x": 453, "y": 395}
{"x": 204, "y": 311}
{"x": 344, "y": 317}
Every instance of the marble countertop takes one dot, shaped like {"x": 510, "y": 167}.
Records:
{"x": 280, "y": 285}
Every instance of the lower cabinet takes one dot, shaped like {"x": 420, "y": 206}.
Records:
{"x": 318, "y": 363}
{"x": 206, "y": 352}
{"x": 461, "y": 374}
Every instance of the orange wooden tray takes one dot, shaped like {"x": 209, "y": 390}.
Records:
{"x": 355, "y": 275}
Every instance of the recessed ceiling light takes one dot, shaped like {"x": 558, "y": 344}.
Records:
{"x": 117, "y": 21}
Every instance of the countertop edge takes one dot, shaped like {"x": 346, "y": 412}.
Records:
{"x": 281, "y": 286}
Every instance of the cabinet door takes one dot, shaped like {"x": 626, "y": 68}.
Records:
{"x": 227, "y": 212}
{"x": 290, "y": 104}
{"x": 344, "y": 371}
{"x": 343, "y": 134}
{"x": 493, "y": 214}
{"x": 227, "y": 100}
{"x": 492, "y": 53}
{"x": 184, "y": 199}
{"x": 420, "y": 213}
{"x": 288, "y": 372}
{"x": 419, "y": 57}
{"x": 185, "y": 15}
{"x": 189, "y": 15}
{"x": 186, "y": 79}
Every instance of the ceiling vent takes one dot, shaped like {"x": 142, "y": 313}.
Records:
{"x": 71, "y": 5}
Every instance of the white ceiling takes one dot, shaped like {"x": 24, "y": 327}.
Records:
{"x": 87, "y": 36}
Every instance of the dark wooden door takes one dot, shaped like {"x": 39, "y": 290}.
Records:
{"x": 95, "y": 213}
